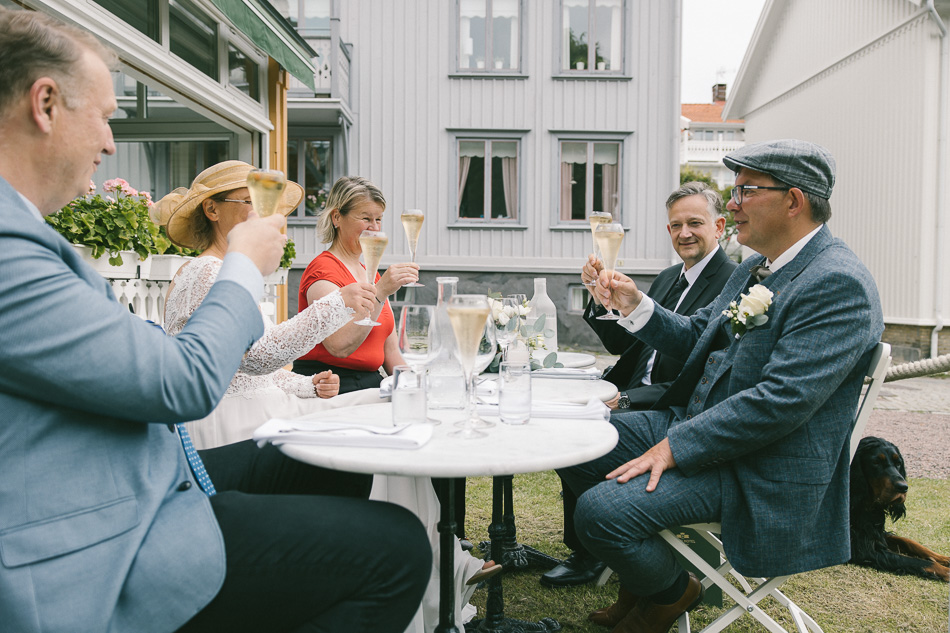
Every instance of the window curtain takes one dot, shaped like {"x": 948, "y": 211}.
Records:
{"x": 464, "y": 163}
{"x": 609, "y": 189}
{"x": 566, "y": 178}
{"x": 509, "y": 176}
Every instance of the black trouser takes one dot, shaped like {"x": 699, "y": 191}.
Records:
{"x": 301, "y": 561}
{"x": 350, "y": 379}
{"x": 570, "y": 534}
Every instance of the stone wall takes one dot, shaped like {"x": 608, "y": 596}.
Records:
{"x": 912, "y": 342}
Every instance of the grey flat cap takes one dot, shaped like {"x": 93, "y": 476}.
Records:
{"x": 805, "y": 165}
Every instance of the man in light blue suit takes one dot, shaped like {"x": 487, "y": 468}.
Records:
{"x": 103, "y": 525}
{"x": 755, "y": 431}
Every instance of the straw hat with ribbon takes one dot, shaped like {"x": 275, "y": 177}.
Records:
{"x": 180, "y": 211}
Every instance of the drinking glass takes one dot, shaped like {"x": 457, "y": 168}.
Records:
{"x": 417, "y": 339}
{"x": 596, "y": 219}
{"x": 470, "y": 318}
{"x": 409, "y": 395}
{"x": 506, "y": 333}
{"x": 373, "y": 244}
{"x": 514, "y": 392}
{"x": 412, "y": 220}
{"x": 609, "y": 237}
{"x": 266, "y": 187}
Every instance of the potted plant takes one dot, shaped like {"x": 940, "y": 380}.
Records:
{"x": 117, "y": 224}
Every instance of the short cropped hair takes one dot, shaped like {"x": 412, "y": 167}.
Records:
{"x": 34, "y": 45}
{"x": 714, "y": 204}
{"x": 820, "y": 207}
{"x": 345, "y": 194}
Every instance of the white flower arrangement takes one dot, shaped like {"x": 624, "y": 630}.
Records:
{"x": 750, "y": 311}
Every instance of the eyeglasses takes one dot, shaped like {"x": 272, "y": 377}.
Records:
{"x": 737, "y": 191}
{"x": 237, "y": 201}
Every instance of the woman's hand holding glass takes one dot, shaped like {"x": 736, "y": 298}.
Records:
{"x": 397, "y": 276}
{"x": 360, "y": 297}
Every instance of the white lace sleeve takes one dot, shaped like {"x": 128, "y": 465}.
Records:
{"x": 294, "y": 384}
{"x": 284, "y": 342}
{"x": 192, "y": 284}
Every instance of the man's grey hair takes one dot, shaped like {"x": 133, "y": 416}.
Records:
{"x": 820, "y": 207}
{"x": 34, "y": 45}
{"x": 714, "y": 204}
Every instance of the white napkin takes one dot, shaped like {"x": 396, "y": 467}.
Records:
{"x": 587, "y": 373}
{"x": 593, "y": 410}
{"x": 342, "y": 432}
{"x": 485, "y": 388}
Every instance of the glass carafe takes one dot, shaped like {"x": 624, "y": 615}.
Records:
{"x": 446, "y": 380}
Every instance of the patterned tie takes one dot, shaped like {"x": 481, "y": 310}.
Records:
{"x": 194, "y": 460}
{"x": 760, "y": 272}
{"x": 673, "y": 295}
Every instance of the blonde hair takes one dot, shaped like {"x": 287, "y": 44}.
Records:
{"x": 34, "y": 45}
{"x": 345, "y": 194}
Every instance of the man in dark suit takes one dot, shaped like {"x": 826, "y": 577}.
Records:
{"x": 695, "y": 225}
{"x": 108, "y": 521}
{"x": 755, "y": 431}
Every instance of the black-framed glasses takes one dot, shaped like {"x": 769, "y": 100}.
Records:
{"x": 738, "y": 189}
{"x": 240, "y": 201}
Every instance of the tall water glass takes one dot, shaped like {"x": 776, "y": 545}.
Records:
{"x": 373, "y": 244}
{"x": 609, "y": 237}
{"x": 469, "y": 315}
{"x": 412, "y": 220}
{"x": 417, "y": 339}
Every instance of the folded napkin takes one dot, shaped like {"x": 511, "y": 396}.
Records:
{"x": 593, "y": 410}
{"x": 342, "y": 432}
{"x": 487, "y": 387}
{"x": 587, "y": 373}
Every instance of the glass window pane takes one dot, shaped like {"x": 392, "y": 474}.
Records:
{"x": 287, "y": 8}
{"x": 316, "y": 15}
{"x": 318, "y": 163}
{"x": 607, "y": 178}
{"x": 575, "y": 35}
{"x": 243, "y": 73}
{"x": 505, "y": 34}
{"x": 193, "y": 37}
{"x": 142, "y": 15}
{"x": 472, "y": 38}
{"x": 573, "y": 180}
{"x": 504, "y": 181}
{"x": 472, "y": 187}
{"x": 608, "y": 19}
{"x": 293, "y": 158}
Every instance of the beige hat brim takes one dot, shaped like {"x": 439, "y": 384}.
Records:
{"x": 175, "y": 211}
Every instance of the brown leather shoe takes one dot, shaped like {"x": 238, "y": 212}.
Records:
{"x": 612, "y": 615}
{"x": 648, "y": 617}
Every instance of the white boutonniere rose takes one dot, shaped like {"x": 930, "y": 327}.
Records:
{"x": 750, "y": 311}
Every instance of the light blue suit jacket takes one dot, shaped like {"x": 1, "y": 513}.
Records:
{"x": 95, "y": 534}
{"x": 773, "y": 411}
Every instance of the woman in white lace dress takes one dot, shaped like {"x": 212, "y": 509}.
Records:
{"x": 200, "y": 218}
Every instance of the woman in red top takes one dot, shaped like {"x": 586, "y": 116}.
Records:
{"x": 354, "y": 352}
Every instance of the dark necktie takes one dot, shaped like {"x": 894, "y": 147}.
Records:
{"x": 760, "y": 272}
{"x": 673, "y": 296}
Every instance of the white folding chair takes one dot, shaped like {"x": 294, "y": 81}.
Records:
{"x": 747, "y": 598}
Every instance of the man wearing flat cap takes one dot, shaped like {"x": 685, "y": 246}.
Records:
{"x": 755, "y": 431}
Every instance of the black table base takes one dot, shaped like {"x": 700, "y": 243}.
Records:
{"x": 514, "y": 555}
{"x": 502, "y": 533}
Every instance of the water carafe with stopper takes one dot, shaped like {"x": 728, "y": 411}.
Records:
{"x": 541, "y": 304}
{"x": 446, "y": 380}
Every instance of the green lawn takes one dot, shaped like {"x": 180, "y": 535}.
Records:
{"x": 843, "y": 599}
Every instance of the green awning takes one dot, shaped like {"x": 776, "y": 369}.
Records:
{"x": 272, "y": 35}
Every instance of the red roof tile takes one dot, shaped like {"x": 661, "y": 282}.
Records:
{"x": 706, "y": 112}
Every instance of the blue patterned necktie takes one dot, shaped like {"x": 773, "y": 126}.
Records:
{"x": 194, "y": 460}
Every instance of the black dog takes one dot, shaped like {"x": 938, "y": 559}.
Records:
{"x": 879, "y": 489}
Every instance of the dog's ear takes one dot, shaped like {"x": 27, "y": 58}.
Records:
{"x": 859, "y": 483}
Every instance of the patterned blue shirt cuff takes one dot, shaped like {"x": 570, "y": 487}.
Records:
{"x": 241, "y": 270}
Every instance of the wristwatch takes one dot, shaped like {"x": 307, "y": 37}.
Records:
{"x": 623, "y": 402}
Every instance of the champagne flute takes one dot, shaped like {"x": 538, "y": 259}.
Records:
{"x": 417, "y": 340}
{"x": 469, "y": 315}
{"x": 507, "y": 332}
{"x": 596, "y": 219}
{"x": 373, "y": 244}
{"x": 412, "y": 220}
{"x": 609, "y": 237}
{"x": 266, "y": 187}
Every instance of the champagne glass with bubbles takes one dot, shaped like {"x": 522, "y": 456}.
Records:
{"x": 596, "y": 219}
{"x": 373, "y": 244}
{"x": 412, "y": 220}
{"x": 609, "y": 238}
{"x": 470, "y": 318}
{"x": 266, "y": 187}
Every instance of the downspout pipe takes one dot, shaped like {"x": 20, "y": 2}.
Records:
{"x": 943, "y": 158}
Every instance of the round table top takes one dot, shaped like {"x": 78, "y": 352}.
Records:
{"x": 541, "y": 444}
{"x": 575, "y": 359}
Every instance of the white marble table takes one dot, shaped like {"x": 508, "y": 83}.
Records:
{"x": 563, "y": 390}
{"x": 555, "y": 443}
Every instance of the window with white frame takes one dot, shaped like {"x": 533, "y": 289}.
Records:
{"x": 307, "y": 16}
{"x": 489, "y": 35}
{"x": 589, "y": 179}
{"x": 310, "y": 164}
{"x": 488, "y": 176}
{"x": 592, "y": 36}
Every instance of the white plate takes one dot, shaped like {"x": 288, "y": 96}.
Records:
{"x": 575, "y": 359}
